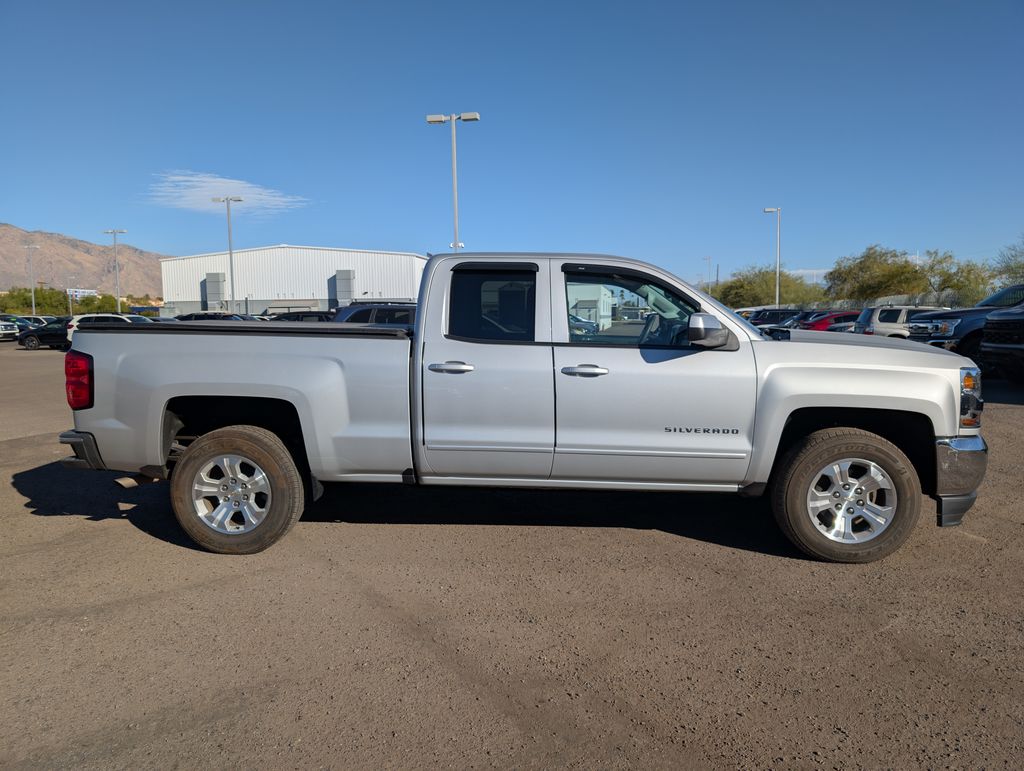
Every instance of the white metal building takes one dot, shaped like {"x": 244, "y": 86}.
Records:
{"x": 287, "y": 277}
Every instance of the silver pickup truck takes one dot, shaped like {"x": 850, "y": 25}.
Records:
{"x": 501, "y": 383}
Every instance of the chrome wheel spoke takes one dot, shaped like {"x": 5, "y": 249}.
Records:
{"x": 858, "y": 504}
{"x": 224, "y": 498}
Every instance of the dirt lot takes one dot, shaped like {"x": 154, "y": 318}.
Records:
{"x": 398, "y": 627}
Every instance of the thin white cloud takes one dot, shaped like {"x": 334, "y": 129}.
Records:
{"x": 193, "y": 190}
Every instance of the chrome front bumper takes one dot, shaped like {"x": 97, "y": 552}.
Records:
{"x": 960, "y": 464}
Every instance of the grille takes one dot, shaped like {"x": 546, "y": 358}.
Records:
{"x": 1004, "y": 332}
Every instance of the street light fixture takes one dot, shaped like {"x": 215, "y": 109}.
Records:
{"x": 117, "y": 267}
{"x": 777, "y": 211}
{"x": 455, "y": 116}
{"x": 227, "y": 200}
{"x": 32, "y": 275}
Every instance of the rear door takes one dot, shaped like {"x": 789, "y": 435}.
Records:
{"x": 635, "y": 401}
{"x": 487, "y": 393}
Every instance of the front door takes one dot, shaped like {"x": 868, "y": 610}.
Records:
{"x": 635, "y": 401}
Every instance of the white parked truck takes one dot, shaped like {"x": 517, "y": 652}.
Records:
{"x": 662, "y": 389}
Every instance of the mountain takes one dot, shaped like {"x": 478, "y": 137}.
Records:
{"x": 61, "y": 261}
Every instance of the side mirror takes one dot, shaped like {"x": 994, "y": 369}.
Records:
{"x": 706, "y": 331}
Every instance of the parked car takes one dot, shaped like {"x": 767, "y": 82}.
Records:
{"x": 768, "y": 316}
{"x": 91, "y": 319}
{"x": 1002, "y": 344}
{"x": 793, "y": 321}
{"x": 162, "y": 319}
{"x": 843, "y": 326}
{"x": 8, "y": 330}
{"x": 308, "y": 316}
{"x": 889, "y": 320}
{"x": 961, "y": 330}
{"x": 52, "y": 334}
{"x": 39, "y": 320}
{"x": 581, "y": 326}
{"x": 848, "y": 432}
{"x": 389, "y": 312}
{"x": 20, "y": 322}
{"x": 823, "y": 321}
{"x": 210, "y": 316}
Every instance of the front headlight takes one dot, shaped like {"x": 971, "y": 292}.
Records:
{"x": 971, "y": 403}
{"x": 945, "y": 328}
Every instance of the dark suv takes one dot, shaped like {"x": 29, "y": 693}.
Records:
{"x": 1002, "y": 345}
{"x": 961, "y": 330}
{"x": 304, "y": 316}
{"x": 400, "y": 313}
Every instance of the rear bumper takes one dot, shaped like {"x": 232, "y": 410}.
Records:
{"x": 960, "y": 464}
{"x": 87, "y": 454}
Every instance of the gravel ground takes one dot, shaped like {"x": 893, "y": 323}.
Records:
{"x": 402, "y": 627}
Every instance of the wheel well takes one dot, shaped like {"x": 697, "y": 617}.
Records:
{"x": 189, "y": 417}
{"x": 910, "y": 431}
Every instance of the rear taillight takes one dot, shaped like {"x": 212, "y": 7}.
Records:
{"x": 78, "y": 380}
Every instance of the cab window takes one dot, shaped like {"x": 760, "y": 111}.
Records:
{"x": 493, "y": 305}
{"x": 625, "y": 309}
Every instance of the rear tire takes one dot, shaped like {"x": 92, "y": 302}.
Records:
{"x": 862, "y": 511}
{"x": 31, "y": 343}
{"x": 224, "y": 514}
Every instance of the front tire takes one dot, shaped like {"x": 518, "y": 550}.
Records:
{"x": 237, "y": 490}
{"x": 846, "y": 495}
{"x": 31, "y": 343}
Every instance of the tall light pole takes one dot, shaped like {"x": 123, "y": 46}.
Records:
{"x": 71, "y": 307}
{"x": 464, "y": 117}
{"x": 777, "y": 211}
{"x": 227, "y": 201}
{"x": 117, "y": 267}
{"x": 32, "y": 275}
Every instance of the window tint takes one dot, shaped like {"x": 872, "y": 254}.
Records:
{"x": 889, "y": 315}
{"x": 493, "y": 305}
{"x": 626, "y": 310}
{"x": 394, "y": 316}
{"x": 361, "y": 316}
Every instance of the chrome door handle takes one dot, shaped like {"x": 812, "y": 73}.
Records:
{"x": 453, "y": 367}
{"x": 585, "y": 370}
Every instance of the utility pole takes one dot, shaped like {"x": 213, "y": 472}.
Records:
{"x": 464, "y": 117}
{"x": 32, "y": 275}
{"x": 227, "y": 199}
{"x": 707, "y": 286}
{"x": 117, "y": 267}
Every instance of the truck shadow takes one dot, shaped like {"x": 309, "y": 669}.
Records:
{"x": 727, "y": 520}
{"x": 55, "y": 491}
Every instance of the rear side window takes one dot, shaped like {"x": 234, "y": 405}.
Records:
{"x": 361, "y": 316}
{"x": 890, "y": 315}
{"x": 394, "y": 316}
{"x": 496, "y": 305}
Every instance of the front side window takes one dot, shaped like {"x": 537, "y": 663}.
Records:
{"x": 625, "y": 310}
{"x": 493, "y": 305}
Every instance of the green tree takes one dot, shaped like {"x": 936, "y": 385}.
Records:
{"x": 1009, "y": 265}
{"x": 875, "y": 272}
{"x": 970, "y": 280}
{"x": 755, "y": 285}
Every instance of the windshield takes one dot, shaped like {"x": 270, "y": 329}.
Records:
{"x": 1004, "y": 298}
{"x": 865, "y": 316}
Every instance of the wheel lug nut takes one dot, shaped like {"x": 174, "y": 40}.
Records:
{"x": 848, "y": 511}
{"x": 235, "y": 504}
{"x": 860, "y": 503}
{"x": 223, "y": 487}
{"x": 839, "y": 506}
{"x": 245, "y": 497}
{"x": 234, "y": 481}
{"x": 859, "y": 491}
{"x": 835, "y": 494}
{"x": 845, "y": 487}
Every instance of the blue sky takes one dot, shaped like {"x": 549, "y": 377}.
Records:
{"x": 654, "y": 130}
